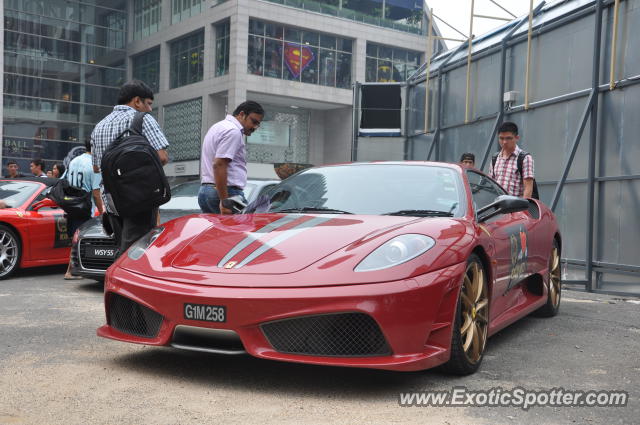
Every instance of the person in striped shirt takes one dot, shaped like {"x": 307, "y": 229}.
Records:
{"x": 135, "y": 96}
{"x": 505, "y": 170}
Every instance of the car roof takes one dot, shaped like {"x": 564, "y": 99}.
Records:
{"x": 408, "y": 163}
{"x": 47, "y": 181}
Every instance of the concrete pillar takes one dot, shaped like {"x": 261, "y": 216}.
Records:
{"x": 238, "y": 47}
{"x": 165, "y": 17}
{"x": 359, "y": 59}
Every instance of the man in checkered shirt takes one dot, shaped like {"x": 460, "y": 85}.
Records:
{"x": 505, "y": 170}
{"x": 135, "y": 96}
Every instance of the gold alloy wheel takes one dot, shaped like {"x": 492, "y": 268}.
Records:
{"x": 554, "y": 278}
{"x": 475, "y": 313}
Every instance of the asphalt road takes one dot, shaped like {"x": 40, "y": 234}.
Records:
{"x": 55, "y": 370}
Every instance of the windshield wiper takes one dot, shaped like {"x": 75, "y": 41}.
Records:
{"x": 422, "y": 213}
{"x": 315, "y": 209}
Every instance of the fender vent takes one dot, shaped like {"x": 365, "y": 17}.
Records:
{"x": 534, "y": 210}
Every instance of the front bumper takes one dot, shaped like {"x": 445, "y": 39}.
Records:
{"x": 93, "y": 268}
{"x": 413, "y": 318}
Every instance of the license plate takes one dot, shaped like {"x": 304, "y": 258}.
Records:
{"x": 206, "y": 313}
{"x": 98, "y": 252}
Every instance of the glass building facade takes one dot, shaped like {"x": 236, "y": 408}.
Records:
{"x": 223, "y": 42}
{"x": 187, "y": 60}
{"x": 147, "y": 17}
{"x": 183, "y": 9}
{"x": 64, "y": 62}
{"x": 388, "y": 64}
{"x": 146, "y": 67}
{"x": 298, "y": 55}
{"x": 401, "y": 15}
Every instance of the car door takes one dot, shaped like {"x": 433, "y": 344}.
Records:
{"x": 508, "y": 236}
{"x": 48, "y": 237}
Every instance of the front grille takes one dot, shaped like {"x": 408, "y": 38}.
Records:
{"x": 132, "y": 318}
{"x": 74, "y": 258}
{"x": 95, "y": 263}
{"x": 343, "y": 334}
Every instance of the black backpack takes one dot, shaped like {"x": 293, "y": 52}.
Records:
{"x": 73, "y": 200}
{"x": 520, "y": 160}
{"x": 132, "y": 173}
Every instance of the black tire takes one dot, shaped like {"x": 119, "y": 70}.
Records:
{"x": 471, "y": 321}
{"x": 554, "y": 284}
{"x": 10, "y": 251}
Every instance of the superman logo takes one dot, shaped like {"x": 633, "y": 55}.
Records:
{"x": 297, "y": 58}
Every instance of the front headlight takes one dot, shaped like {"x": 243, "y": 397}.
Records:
{"x": 138, "y": 248}
{"x": 396, "y": 251}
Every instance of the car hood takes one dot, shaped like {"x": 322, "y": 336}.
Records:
{"x": 281, "y": 243}
{"x": 292, "y": 250}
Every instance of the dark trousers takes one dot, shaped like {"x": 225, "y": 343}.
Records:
{"x": 127, "y": 230}
{"x": 209, "y": 200}
{"x": 74, "y": 222}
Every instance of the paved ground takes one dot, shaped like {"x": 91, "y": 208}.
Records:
{"x": 54, "y": 370}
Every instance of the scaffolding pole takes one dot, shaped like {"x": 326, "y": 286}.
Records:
{"x": 526, "y": 78}
{"x": 428, "y": 69}
{"x": 466, "y": 103}
{"x": 503, "y": 65}
{"x": 614, "y": 42}
{"x": 593, "y": 141}
{"x": 469, "y": 50}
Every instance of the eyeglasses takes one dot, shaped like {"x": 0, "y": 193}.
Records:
{"x": 255, "y": 121}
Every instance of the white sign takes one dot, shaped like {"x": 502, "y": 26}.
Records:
{"x": 271, "y": 133}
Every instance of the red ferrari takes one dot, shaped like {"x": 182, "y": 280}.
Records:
{"x": 390, "y": 265}
{"x": 33, "y": 230}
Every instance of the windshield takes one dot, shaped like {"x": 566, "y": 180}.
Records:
{"x": 16, "y": 193}
{"x": 248, "y": 190}
{"x": 394, "y": 189}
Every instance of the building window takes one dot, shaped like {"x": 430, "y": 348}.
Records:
{"x": 187, "y": 59}
{"x": 147, "y": 15}
{"x": 183, "y": 9}
{"x": 146, "y": 67}
{"x": 401, "y": 15}
{"x": 293, "y": 54}
{"x": 183, "y": 126}
{"x": 222, "y": 48}
{"x": 385, "y": 64}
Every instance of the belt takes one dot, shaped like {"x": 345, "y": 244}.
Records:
{"x": 228, "y": 187}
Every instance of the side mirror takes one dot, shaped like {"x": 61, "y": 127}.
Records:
{"x": 234, "y": 203}
{"x": 45, "y": 203}
{"x": 503, "y": 204}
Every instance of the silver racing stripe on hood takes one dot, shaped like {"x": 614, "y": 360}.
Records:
{"x": 287, "y": 234}
{"x": 253, "y": 236}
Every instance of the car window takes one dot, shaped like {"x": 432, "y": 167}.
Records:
{"x": 15, "y": 193}
{"x": 183, "y": 197}
{"x": 248, "y": 190}
{"x": 266, "y": 188}
{"x": 483, "y": 190}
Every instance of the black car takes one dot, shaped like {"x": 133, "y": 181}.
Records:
{"x": 93, "y": 251}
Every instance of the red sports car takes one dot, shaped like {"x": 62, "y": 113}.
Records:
{"x": 389, "y": 265}
{"x": 33, "y": 230}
